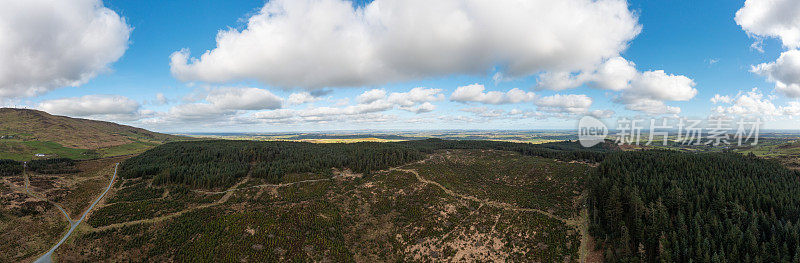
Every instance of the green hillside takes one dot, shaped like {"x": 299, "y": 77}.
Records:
{"x": 25, "y": 133}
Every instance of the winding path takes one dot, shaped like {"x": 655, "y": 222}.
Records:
{"x": 491, "y": 203}
{"x": 236, "y": 188}
{"x": 28, "y": 190}
{"x": 48, "y": 257}
{"x": 227, "y": 194}
{"x": 580, "y": 224}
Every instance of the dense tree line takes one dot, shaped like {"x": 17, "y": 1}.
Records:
{"x": 10, "y": 167}
{"x": 665, "y": 206}
{"x": 53, "y": 166}
{"x": 210, "y": 164}
{"x": 563, "y": 150}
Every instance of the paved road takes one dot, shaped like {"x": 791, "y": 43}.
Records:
{"x": 48, "y": 257}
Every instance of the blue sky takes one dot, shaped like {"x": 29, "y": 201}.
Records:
{"x": 698, "y": 40}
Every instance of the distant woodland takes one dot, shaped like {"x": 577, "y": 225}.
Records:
{"x": 43, "y": 166}
{"x": 53, "y": 166}
{"x": 10, "y": 167}
{"x": 220, "y": 163}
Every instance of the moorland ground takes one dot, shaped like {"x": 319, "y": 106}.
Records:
{"x": 400, "y": 213}
{"x": 430, "y": 200}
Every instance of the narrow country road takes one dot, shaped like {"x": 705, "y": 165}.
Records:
{"x": 48, "y": 257}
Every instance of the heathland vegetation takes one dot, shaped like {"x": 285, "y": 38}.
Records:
{"x": 221, "y": 163}
{"x": 280, "y": 201}
{"x": 427, "y": 200}
{"x": 30, "y": 219}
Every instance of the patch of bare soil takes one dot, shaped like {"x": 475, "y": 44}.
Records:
{"x": 593, "y": 255}
{"x": 468, "y": 245}
{"x": 345, "y": 173}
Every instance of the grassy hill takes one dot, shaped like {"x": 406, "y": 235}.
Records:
{"x": 24, "y": 133}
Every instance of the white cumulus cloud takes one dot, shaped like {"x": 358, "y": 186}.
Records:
{"x": 658, "y": 85}
{"x": 370, "y": 104}
{"x": 571, "y": 103}
{"x": 475, "y": 93}
{"x": 330, "y": 43}
{"x": 651, "y": 106}
{"x": 422, "y": 108}
{"x": 48, "y": 44}
{"x": 415, "y": 96}
{"x": 771, "y": 18}
{"x": 236, "y": 106}
{"x": 778, "y": 19}
{"x": 649, "y": 91}
{"x": 201, "y": 112}
{"x": 784, "y": 72}
{"x": 720, "y": 99}
{"x": 161, "y": 99}
{"x": 614, "y": 74}
{"x": 105, "y": 107}
{"x": 221, "y": 104}
{"x": 601, "y": 114}
{"x": 639, "y": 91}
{"x": 371, "y": 95}
{"x": 791, "y": 109}
{"x": 752, "y": 102}
{"x": 243, "y": 99}
{"x": 302, "y": 98}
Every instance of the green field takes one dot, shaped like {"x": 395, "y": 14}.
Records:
{"x": 25, "y": 150}
{"x": 772, "y": 148}
{"x": 20, "y": 150}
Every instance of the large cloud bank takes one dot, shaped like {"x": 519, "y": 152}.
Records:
{"x": 777, "y": 19}
{"x": 330, "y": 43}
{"x": 47, "y": 44}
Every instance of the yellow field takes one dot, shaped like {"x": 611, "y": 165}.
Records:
{"x": 353, "y": 140}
